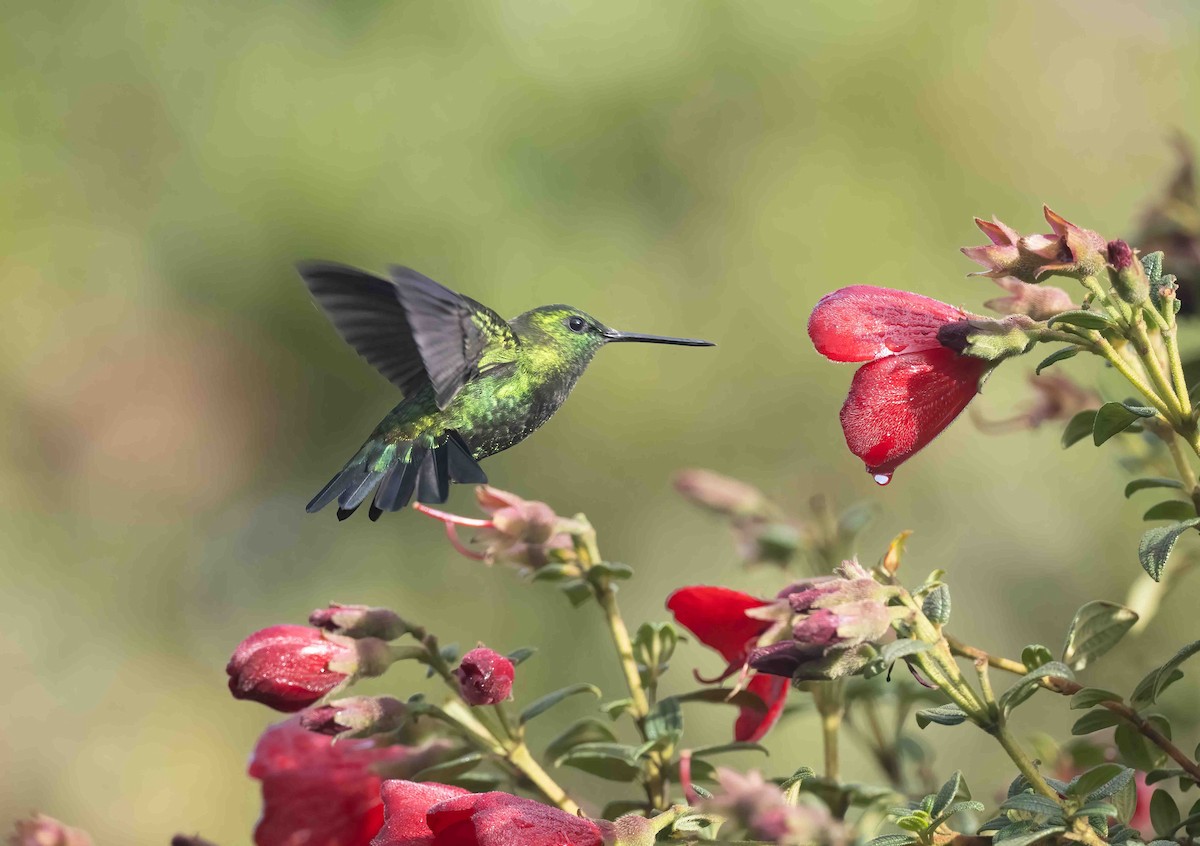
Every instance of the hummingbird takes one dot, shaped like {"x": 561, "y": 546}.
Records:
{"x": 472, "y": 383}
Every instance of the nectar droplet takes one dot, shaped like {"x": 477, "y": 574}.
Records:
{"x": 881, "y": 479}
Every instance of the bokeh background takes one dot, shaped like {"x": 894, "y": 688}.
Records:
{"x": 173, "y": 398}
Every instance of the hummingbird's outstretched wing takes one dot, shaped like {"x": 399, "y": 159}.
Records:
{"x": 411, "y": 329}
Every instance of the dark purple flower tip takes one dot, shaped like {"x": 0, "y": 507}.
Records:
{"x": 1120, "y": 254}
{"x": 485, "y": 677}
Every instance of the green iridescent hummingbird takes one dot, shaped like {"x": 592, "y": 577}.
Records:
{"x": 473, "y": 384}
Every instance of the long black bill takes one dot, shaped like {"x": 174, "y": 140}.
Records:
{"x": 614, "y": 336}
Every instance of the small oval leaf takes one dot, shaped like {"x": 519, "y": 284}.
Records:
{"x": 1096, "y": 628}
{"x": 1084, "y": 319}
{"x": 1156, "y": 545}
{"x": 1115, "y": 417}
{"x": 1151, "y": 482}
{"x": 548, "y": 701}
{"x": 1171, "y": 509}
{"x": 1055, "y": 357}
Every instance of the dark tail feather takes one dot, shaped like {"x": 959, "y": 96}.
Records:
{"x": 427, "y": 474}
{"x": 464, "y": 469}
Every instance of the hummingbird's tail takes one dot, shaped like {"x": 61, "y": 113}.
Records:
{"x": 395, "y": 472}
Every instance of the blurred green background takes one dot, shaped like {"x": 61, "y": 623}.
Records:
{"x": 173, "y": 398}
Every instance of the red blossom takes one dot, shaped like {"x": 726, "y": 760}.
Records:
{"x": 912, "y": 387}
{"x": 288, "y": 667}
{"x": 437, "y": 815}
{"x": 485, "y": 677}
{"x": 317, "y": 792}
{"x": 717, "y": 617}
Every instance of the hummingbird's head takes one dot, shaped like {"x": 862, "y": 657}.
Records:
{"x": 574, "y": 336}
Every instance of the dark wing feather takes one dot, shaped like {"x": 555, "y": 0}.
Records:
{"x": 456, "y": 336}
{"x": 412, "y": 330}
{"x": 367, "y": 313}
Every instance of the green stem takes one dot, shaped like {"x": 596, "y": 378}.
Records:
{"x": 1023, "y": 761}
{"x": 1171, "y": 340}
{"x": 830, "y": 725}
{"x": 1093, "y": 285}
{"x": 1146, "y": 353}
{"x": 1114, "y": 358}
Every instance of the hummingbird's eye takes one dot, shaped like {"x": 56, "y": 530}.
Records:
{"x": 576, "y": 324}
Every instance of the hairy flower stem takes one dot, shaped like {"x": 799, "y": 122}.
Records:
{"x": 1024, "y": 763}
{"x": 830, "y": 726}
{"x": 1070, "y": 688}
{"x": 587, "y": 550}
{"x": 1121, "y": 366}
{"x": 1174, "y": 361}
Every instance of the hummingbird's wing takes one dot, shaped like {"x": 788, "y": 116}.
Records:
{"x": 411, "y": 329}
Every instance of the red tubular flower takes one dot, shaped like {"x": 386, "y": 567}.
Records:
{"x": 500, "y": 819}
{"x": 912, "y": 386}
{"x": 405, "y": 805}
{"x": 289, "y": 667}
{"x": 485, "y": 677}
{"x": 316, "y": 792}
{"x": 717, "y": 617}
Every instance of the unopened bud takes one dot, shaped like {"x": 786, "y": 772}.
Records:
{"x": 356, "y": 716}
{"x": 485, "y": 677}
{"x": 990, "y": 340}
{"x": 722, "y": 494}
{"x": 1129, "y": 277}
{"x": 190, "y": 840}
{"x": 359, "y": 621}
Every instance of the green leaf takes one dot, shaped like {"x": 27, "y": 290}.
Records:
{"x": 1100, "y": 782}
{"x": 1167, "y": 669}
{"x": 946, "y": 794}
{"x": 1079, "y": 427}
{"x": 554, "y": 572}
{"x": 890, "y": 652}
{"x": 722, "y": 748}
{"x": 448, "y": 770}
{"x": 1085, "y": 319}
{"x": 1164, "y": 813}
{"x": 892, "y": 840}
{"x": 617, "y": 707}
{"x": 578, "y": 591}
{"x": 1116, "y": 417}
{"x": 1035, "y": 655}
{"x": 587, "y": 730}
{"x": 612, "y": 761}
{"x": 722, "y": 696}
{"x": 1092, "y": 696}
{"x": 1033, "y": 836}
{"x": 1171, "y": 509}
{"x": 1096, "y": 628}
{"x": 1147, "y": 483}
{"x": 1134, "y": 749}
{"x": 937, "y": 605}
{"x": 1095, "y": 721}
{"x": 852, "y": 521}
{"x": 957, "y": 808}
{"x": 943, "y": 715}
{"x": 520, "y": 656}
{"x": 1028, "y": 684}
{"x": 1033, "y": 803}
{"x": 1156, "y": 545}
{"x": 609, "y": 569}
{"x": 1153, "y": 265}
{"x": 1055, "y": 357}
{"x": 548, "y": 701}
{"x": 1103, "y": 810}
{"x": 1146, "y": 687}
{"x": 1155, "y": 776}
{"x": 666, "y": 718}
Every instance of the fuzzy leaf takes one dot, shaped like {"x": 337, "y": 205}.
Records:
{"x": 1095, "y": 721}
{"x": 1055, "y": 357}
{"x": 946, "y": 794}
{"x": 448, "y": 770}
{"x": 1156, "y": 545}
{"x": 1092, "y": 696}
{"x": 1100, "y": 782}
{"x": 943, "y": 715}
{"x": 519, "y": 656}
{"x": 1033, "y": 803}
{"x": 735, "y": 746}
{"x": 1116, "y": 417}
{"x": 723, "y": 696}
{"x": 1164, "y": 813}
{"x": 666, "y": 718}
{"x": 937, "y": 605}
{"x": 1096, "y": 628}
{"x": 1028, "y": 684}
{"x": 1170, "y": 509}
{"x": 611, "y": 761}
{"x": 587, "y": 730}
{"x": 1079, "y": 427}
{"x": 548, "y": 701}
{"x": 1151, "y": 482}
{"x": 892, "y": 840}
{"x": 1085, "y": 319}
{"x": 1157, "y": 680}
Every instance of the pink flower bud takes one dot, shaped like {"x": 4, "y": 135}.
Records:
{"x": 289, "y": 668}
{"x": 356, "y": 716}
{"x": 359, "y": 621}
{"x": 722, "y": 494}
{"x": 41, "y": 830}
{"x": 485, "y": 677}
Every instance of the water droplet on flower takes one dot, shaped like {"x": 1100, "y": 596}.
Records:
{"x": 881, "y": 479}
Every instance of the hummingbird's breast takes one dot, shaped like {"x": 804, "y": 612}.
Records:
{"x": 496, "y": 412}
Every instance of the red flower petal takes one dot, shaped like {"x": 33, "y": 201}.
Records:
{"x": 316, "y": 792}
{"x": 717, "y": 616}
{"x": 405, "y": 806}
{"x": 865, "y": 323}
{"x": 501, "y": 819}
{"x": 898, "y": 405}
{"x": 752, "y": 725}
{"x": 286, "y": 667}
